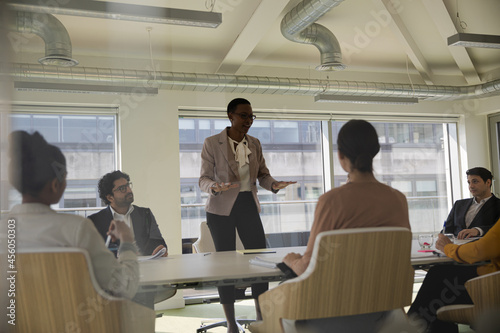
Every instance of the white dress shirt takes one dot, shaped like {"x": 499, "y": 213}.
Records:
{"x": 124, "y": 217}
{"x": 474, "y": 208}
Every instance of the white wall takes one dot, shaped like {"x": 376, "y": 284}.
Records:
{"x": 150, "y": 147}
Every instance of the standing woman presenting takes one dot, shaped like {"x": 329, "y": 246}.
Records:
{"x": 231, "y": 162}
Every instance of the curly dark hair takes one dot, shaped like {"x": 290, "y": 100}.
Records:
{"x": 106, "y": 184}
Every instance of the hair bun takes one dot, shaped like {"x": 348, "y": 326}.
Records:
{"x": 33, "y": 161}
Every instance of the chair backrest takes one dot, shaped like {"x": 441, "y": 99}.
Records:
{"x": 57, "y": 292}
{"x": 352, "y": 271}
{"x": 205, "y": 243}
{"x": 484, "y": 291}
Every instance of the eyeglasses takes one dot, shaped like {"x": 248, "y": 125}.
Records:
{"x": 245, "y": 116}
{"x": 123, "y": 188}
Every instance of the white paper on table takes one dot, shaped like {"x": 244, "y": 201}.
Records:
{"x": 156, "y": 255}
{"x": 270, "y": 262}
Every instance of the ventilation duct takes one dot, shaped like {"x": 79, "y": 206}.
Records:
{"x": 241, "y": 84}
{"x": 121, "y": 11}
{"x": 299, "y": 26}
{"x": 58, "y": 50}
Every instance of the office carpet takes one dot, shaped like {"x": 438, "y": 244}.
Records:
{"x": 190, "y": 318}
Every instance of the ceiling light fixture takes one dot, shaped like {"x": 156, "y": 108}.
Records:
{"x": 365, "y": 99}
{"x": 121, "y": 11}
{"x": 83, "y": 88}
{"x": 474, "y": 40}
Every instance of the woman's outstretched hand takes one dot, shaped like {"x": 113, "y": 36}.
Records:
{"x": 223, "y": 187}
{"x": 281, "y": 185}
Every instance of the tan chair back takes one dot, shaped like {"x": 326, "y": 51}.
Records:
{"x": 56, "y": 293}
{"x": 485, "y": 294}
{"x": 352, "y": 271}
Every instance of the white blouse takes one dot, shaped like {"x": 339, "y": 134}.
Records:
{"x": 241, "y": 153}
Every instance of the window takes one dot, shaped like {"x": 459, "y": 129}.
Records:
{"x": 187, "y": 133}
{"x": 403, "y": 186}
{"x": 415, "y": 158}
{"x": 88, "y": 143}
{"x": 45, "y": 124}
{"x": 396, "y": 133}
{"x": 426, "y": 188}
{"x": 286, "y": 132}
{"x": 494, "y": 126}
{"x": 261, "y": 129}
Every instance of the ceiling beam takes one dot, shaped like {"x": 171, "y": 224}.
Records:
{"x": 398, "y": 27}
{"x": 444, "y": 23}
{"x": 257, "y": 27}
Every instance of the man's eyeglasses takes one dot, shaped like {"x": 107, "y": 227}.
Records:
{"x": 123, "y": 188}
{"x": 245, "y": 116}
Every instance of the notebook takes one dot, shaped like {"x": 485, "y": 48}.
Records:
{"x": 255, "y": 251}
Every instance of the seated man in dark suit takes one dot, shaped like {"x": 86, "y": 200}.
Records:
{"x": 115, "y": 190}
{"x": 475, "y": 216}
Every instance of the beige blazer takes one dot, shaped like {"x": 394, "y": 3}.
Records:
{"x": 219, "y": 165}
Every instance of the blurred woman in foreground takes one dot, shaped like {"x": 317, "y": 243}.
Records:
{"x": 38, "y": 171}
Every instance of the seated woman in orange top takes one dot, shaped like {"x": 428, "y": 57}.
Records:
{"x": 363, "y": 201}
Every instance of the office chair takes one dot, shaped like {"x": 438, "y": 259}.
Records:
{"x": 352, "y": 272}
{"x": 203, "y": 244}
{"x": 484, "y": 292}
{"x": 57, "y": 292}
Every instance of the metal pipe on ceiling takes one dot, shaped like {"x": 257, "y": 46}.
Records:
{"x": 299, "y": 26}
{"x": 242, "y": 84}
{"x": 58, "y": 50}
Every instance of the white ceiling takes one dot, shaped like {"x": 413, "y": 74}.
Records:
{"x": 411, "y": 43}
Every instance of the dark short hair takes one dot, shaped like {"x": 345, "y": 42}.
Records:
{"x": 358, "y": 141}
{"x": 231, "y": 107}
{"x": 34, "y": 162}
{"x": 484, "y": 173}
{"x": 106, "y": 184}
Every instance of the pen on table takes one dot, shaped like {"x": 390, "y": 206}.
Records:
{"x": 206, "y": 254}
{"x": 444, "y": 228}
{"x": 108, "y": 240}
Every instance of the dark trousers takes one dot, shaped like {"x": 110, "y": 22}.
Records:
{"x": 443, "y": 285}
{"x": 245, "y": 218}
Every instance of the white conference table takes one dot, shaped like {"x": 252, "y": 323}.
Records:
{"x": 214, "y": 269}
{"x": 425, "y": 259}
{"x": 232, "y": 268}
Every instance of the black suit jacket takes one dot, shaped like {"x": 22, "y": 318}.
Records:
{"x": 146, "y": 231}
{"x": 485, "y": 218}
